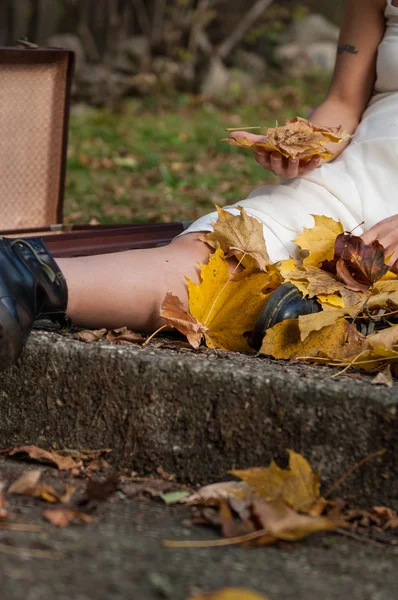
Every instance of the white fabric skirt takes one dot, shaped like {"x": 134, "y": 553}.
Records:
{"x": 360, "y": 185}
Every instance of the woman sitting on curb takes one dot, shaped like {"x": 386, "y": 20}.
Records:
{"x": 359, "y": 186}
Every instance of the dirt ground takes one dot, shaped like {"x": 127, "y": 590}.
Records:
{"x": 120, "y": 556}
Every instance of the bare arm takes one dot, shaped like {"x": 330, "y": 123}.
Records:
{"x": 352, "y": 83}
{"x": 355, "y": 72}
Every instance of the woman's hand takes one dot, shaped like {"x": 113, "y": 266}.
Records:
{"x": 286, "y": 167}
{"x": 386, "y": 232}
{"x": 275, "y": 162}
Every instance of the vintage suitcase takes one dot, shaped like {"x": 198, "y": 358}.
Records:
{"x": 35, "y": 89}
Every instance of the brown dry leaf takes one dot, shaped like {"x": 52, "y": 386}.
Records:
{"x": 26, "y": 482}
{"x": 175, "y": 315}
{"x": 124, "y": 337}
{"x": 319, "y": 240}
{"x": 298, "y": 138}
{"x": 384, "y": 293}
{"x": 113, "y": 334}
{"x": 281, "y": 522}
{"x": 215, "y": 493}
{"x": 85, "y": 454}
{"x": 3, "y": 503}
{"x": 230, "y": 594}
{"x": 316, "y": 322}
{"x": 228, "y": 308}
{"x": 28, "y": 485}
{"x": 62, "y": 517}
{"x": 384, "y": 377}
{"x": 91, "y": 335}
{"x": 337, "y": 342}
{"x": 297, "y": 486}
{"x": 387, "y": 338}
{"x": 388, "y": 515}
{"x": 63, "y": 463}
{"x": 98, "y": 464}
{"x": 371, "y": 361}
{"x": 241, "y": 236}
{"x": 229, "y": 526}
{"x": 322, "y": 283}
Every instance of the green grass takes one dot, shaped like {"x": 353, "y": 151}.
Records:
{"x": 163, "y": 159}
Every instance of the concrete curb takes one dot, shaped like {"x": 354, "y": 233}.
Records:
{"x": 199, "y": 415}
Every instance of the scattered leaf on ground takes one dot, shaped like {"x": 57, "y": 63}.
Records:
{"x": 241, "y": 236}
{"x": 63, "y": 463}
{"x": 281, "y": 522}
{"x": 124, "y": 337}
{"x": 230, "y": 594}
{"x": 177, "y": 316}
{"x": 174, "y": 497}
{"x": 25, "y": 482}
{"x": 214, "y": 493}
{"x": 28, "y": 485}
{"x": 3, "y": 503}
{"x": 91, "y": 335}
{"x": 384, "y": 377}
{"x": 62, "y": 517}
{"x": 298, "y": 486}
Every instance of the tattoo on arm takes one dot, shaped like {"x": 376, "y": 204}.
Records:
{"x": 347, "y": 48}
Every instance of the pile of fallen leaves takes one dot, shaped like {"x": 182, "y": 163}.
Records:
{"x": 356, "y": 292}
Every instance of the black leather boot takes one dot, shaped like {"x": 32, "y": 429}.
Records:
{"x": 31, "y": 287}
{"x": 286, "y": 302}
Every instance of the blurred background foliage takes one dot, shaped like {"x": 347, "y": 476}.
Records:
{"x": 157, "y": 83}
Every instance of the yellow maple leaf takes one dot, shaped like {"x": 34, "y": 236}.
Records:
{"x": 317, "y": 321}
{"x": 241, "y": 236}
{"x": 337, "y": 342}
{"x": 227, "y": 308}
{"x": 330, "y": 301}
{"x": 319, "y": 240}
{"x": 230, "y": 594}
{"x": 297, "y": 486}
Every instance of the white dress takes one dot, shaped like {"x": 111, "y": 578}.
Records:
{"x": 360, "y": 185}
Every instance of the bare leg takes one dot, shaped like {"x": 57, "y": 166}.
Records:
{"x": 127, "y": 288}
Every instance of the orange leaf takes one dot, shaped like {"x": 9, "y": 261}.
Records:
{"x": 177, "y": 316}
{"x": 64, "y": 463}
{"x": 62, "y": 517}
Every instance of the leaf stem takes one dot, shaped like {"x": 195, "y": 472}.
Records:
{"x": 352, "y": 469}
{"x": 153, "y": 335}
